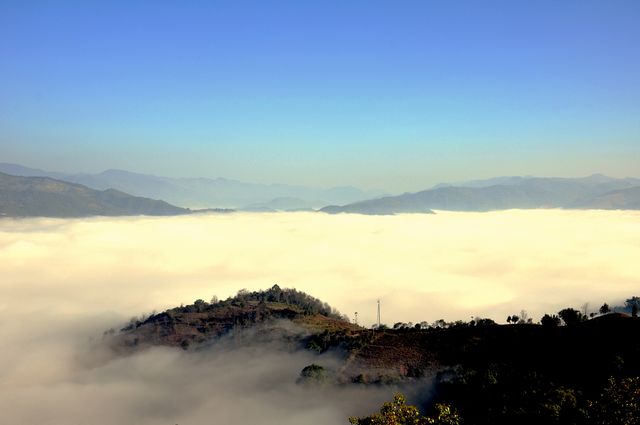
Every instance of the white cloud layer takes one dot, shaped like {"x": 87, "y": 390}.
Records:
{"x": 62, "y": 282}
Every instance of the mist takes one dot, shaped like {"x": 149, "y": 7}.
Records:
{"x": 61, "y": 374}
{"x": 63, "y": 282}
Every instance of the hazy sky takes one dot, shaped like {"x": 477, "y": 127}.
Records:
{"x": 388, "y": 94}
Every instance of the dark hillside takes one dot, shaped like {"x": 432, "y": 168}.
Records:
{"x": 585, "y": 373}
{"x": 202, "y": 322}
{"x": 563, "y": 352}
{"x": 520, "y": 373}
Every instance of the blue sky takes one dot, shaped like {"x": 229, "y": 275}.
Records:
{"x": 389, "y": 94}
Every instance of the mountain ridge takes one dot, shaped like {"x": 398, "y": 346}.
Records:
{"x": 48, "y": 197}
{"x": 200, "y": 192}
{"x": 512, "y": 193}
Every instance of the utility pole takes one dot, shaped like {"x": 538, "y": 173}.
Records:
{"x": 356, "y": 318}
{"x": 378, "y": 314}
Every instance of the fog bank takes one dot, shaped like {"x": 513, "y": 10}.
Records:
{"x": 65, "y": 281}
{"x": 422, "y": 267}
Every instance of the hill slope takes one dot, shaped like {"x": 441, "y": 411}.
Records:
{"x": 491, "y": 374}
{"x": 624, "y": 199}
{"x": 517, "y": 192}
{"x": 392, "y": 355}
{"x": 201, "y": 323}
{"x": 47, "y": 197}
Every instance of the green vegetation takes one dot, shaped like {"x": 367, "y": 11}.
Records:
{"x": 618, "y": 404}
{"x": 506, "y": 395}
{"x": 314, "y": 374}
{"x": 317, "y": 325}
{"x": 574, "y": 369}
{"x": 397, "y": 412}
{"x": 275, "y": 295}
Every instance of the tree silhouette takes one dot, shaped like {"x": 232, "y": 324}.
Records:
{"x": 630, "y": 304}
{"x": 571, "y": 316}
{"x": 550, "y": 321}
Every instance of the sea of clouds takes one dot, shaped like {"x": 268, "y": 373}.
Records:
{"x": 63, "y": 282}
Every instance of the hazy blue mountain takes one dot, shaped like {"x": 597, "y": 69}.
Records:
{"x": 494, "y": 181}
{"x": 47, "y": 197}
{"x": 518, "y": 180}
{"x": 19, "y": 170}
{"x": 624, "y": 199}
{"x": 389, "y": 207}
{"x": 281, "y": 204}
{"x": 596, "y": 191}
{"x": 201, "y": 192}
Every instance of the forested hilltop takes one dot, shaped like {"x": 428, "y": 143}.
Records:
{"x": 568, "y": 368}
{"x": 203, "y": 322}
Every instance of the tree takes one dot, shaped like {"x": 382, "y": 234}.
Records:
{"x": 550, "y": 321}
{"x": 634, "y": 310}
{"x": 571, "y": 316}
{"x": 397, "y": 412}
{"x": 314, "y": 374}
{"x": 200, "y": 306}
{"x": 629, "y": 303}
{"x": 605, "y": 309}
{"x": 619, "y": 403}
{"x": 484, "y": 322}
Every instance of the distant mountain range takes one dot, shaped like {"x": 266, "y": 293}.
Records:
{"x": 281, "y": 204}
{"x": 596, "y": 191}
{"x": 204, "y": 192}
{"x": 46, "y": 193}
{"x": 47, "y": 197}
